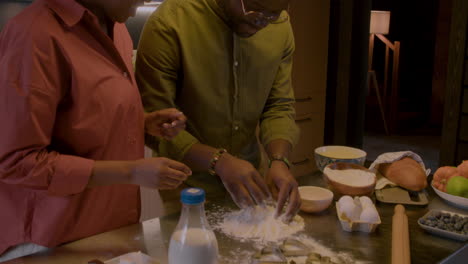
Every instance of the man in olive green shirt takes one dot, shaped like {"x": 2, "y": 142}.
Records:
{"x": 227, "y": 65}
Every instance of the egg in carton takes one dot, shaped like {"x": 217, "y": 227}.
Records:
{"x": 358, "y": 214}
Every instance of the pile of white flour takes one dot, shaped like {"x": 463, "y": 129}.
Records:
{"x": 259, "y": 224}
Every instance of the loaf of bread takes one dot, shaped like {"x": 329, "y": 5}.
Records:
{"x": 406, "y": 173}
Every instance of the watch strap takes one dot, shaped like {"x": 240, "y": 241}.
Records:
{"x": 279, "y": 158}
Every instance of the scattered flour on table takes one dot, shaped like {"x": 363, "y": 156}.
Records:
{"x": 237, "y": 256}
{"x": 317, "y": 247}
{"x": 259, "y": 224}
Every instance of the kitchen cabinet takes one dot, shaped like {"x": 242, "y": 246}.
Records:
{"x": 310, "y": 138}
{"x": 310, "y": 22}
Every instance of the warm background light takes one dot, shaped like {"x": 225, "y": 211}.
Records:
{"x": 379, "y": 22}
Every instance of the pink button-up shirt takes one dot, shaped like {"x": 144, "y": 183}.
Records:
{"x": 67, "y": 98}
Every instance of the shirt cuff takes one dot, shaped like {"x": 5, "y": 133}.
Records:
{"x": 279, "y": 129}
{"x": 71, "y": 175}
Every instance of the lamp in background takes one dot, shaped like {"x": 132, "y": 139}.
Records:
{"x": 380, "y": 22}
{"x": 379, "y": 26}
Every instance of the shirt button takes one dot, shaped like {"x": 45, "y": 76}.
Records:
{"x": 236, "y": 128}
{"x": 125, "y": 74}
{"x": 236, "y": 63}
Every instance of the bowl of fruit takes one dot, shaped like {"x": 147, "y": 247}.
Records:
{"x": 451, "y": 184}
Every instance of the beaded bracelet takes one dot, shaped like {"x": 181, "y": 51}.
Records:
{"x": 214, "y": 160}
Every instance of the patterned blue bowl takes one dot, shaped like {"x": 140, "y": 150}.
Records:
{"x": 330, "y": 154}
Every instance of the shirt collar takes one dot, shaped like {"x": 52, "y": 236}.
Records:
{"x": 70, "y": 11}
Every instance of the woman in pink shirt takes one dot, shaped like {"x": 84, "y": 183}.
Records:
{"x": 72, "y": 125}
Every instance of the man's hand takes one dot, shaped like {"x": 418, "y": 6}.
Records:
{"x": 284, "y": 188}
{"x": 242, "y": 181}
{"x": 166, "y": 123}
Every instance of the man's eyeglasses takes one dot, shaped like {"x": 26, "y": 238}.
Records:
{"x": 259, "y": 19}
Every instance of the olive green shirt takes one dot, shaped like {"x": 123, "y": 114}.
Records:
{"x": 189, "y": 58}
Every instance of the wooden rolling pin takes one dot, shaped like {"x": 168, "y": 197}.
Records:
{"x": 400, "y": 237}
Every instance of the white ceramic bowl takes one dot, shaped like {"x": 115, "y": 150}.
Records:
{"x": 315, "y": 199}
{"x": 330, "y": 154}
{"x": 458, "y": 201}
{"x": 339, "y": 189}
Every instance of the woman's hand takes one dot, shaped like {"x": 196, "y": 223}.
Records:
{"x": 159, "y": 173}
{"x": 166, "y": 123}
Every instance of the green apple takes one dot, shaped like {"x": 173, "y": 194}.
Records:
{"x": 458, "y": 185}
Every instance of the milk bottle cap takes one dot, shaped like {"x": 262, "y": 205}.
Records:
{"x": 192, "y": 196}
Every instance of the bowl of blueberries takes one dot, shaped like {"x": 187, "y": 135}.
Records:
{"x": 446, "y": 224}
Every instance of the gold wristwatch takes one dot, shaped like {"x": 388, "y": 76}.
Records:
{"x": 280, "y": 158}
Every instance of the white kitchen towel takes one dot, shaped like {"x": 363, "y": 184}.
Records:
{"x": 390, "y": 157}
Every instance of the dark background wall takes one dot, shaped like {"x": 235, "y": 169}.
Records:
{"x": 413, "y": 23}
{"x": 9, "y": 8}
{"x": 346, "y": 73}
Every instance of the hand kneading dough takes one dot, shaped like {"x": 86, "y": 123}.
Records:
{"x": 406, "y": 172}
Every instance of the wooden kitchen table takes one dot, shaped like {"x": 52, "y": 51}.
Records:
{"x": 152, "y": 236}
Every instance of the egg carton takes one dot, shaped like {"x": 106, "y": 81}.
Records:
{"x": 353, "y": 226}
